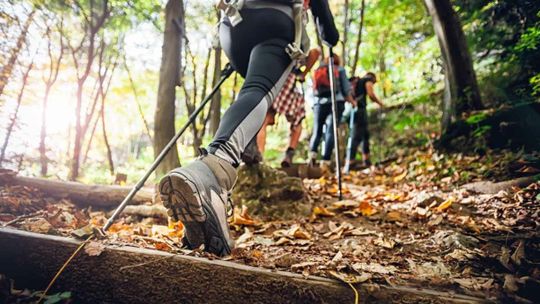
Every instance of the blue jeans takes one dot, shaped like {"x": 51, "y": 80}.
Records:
{"x": 322, "y": 115}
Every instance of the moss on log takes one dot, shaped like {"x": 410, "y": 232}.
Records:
{"x": 270, "y": 193}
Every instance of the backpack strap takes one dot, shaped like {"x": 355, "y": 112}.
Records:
{"x": 232, "y": 8}
{"x": 294, "y": 49}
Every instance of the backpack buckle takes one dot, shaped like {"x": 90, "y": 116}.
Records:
{"x": 294, "y": 51}
{"x": 232, "y": 8}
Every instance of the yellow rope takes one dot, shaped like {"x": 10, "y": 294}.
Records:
{"x": 59, "y": 272}
{"x": 356, "y": 295}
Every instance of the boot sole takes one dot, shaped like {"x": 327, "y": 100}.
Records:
{"x": 185, "y": 203}
{"x": 181, "y": 198}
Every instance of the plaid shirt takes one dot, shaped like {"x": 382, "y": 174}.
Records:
{"x": 290, "y": 102}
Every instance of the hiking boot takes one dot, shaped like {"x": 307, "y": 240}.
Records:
{"x": 326, "y": 167}
{"x": 367, "y": 163}
{"x": 197, "y": 195}
{"x": 288, "y": 160}
{"x": 251, "y": 155}
{"x": 312, "y": 162}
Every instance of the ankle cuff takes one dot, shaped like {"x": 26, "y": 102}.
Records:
{"x": 225, "y": 173}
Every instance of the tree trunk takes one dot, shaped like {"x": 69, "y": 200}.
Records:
{"x": 74, "y": 168}
{"x": 358, "y": 39}
{"x": 52, "y": 76}
{"x": 7, "y": 69}
{"x": 93, "y": 25}
{"x": 105, "y": 138}
{"x": 43, "y": 133}
{"x": 169, "y": 78}
{"x": 345, "y": 33}
{"x": 463, "y": 90}
{"x": 91, "y": 139}
{"x": 13, "y": 121}
{"x": 81, "y": 194}
{"x": 136, "y": 95}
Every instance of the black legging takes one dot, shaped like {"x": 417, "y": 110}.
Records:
{"x": 361, "y": 132}
{"x": 256, "y": 49}
{"x": 322, "y": 116}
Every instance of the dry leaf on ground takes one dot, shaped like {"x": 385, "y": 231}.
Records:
{"x": 94, "y": 248}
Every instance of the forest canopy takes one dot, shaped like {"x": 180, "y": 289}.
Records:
{"x": 79, "y": 79}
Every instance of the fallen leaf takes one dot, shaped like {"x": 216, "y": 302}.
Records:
{"x": 400, "y": 177}
{"x": 385, "y": 243}
{"x": 519, "y": 253}
{"x": 366, "y": 209}
{"x": 338, "y": 257}
{"x": 83, "y": 232}
{"x": 350, "y": 278}
{"x": 393, "y": 216}
{"x": 446, "y": 204}
{"x": 321, "y": 211}
{"x": 159, "y": 230}
{"x": 303, "y": 265}
{"x": 248, "y": 234}
{"x": 373, "y": 268}
{"x": 345, "y": 204}
{"x": 242, "y": 218}
{"x": 162, "y": 246}
{"x": 39, "y": 225}
{"x": 94, "y": 248}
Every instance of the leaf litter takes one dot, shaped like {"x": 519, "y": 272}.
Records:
{"x": 408, "y": 223}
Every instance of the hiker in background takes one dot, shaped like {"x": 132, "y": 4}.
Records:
{"x": 362, "y": 87}
{"x": 322, "y": 108}
{"x": 290, "y": 102}
{"x": 259, "y": 38}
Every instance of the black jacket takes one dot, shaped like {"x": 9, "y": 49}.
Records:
{"x": 325, "y": 21}
{"x": 323, "y": 18}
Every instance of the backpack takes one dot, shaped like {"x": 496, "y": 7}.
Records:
{"x": 321, "y": 81}
{"x": 294, "y": 49}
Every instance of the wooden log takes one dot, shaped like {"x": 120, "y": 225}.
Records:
{"x": 302, "y": 171}
{"x": 133, "y": 275}
{"x": 81, "y": 194}
{"x": 488, "y": 187}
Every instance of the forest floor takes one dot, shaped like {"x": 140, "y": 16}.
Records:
{"x": 416, "y": 221}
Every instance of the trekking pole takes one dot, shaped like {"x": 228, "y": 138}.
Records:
{"x": 334, "y": 119}
{"x": 349, "y": 155}
{"x": 225, "y": 73}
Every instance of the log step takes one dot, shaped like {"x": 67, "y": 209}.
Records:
{"x": 134, "y": 275}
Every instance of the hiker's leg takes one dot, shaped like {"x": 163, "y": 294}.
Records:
{"x": 268, "y": 68}
{"x": 294, "y": 138}
{"x": 329, "y": 136}
{"x": 357, "y": 136}
{"x": 296, "y": 132}
{"x": 319, "y": 116}
{"x": 198, "y": 193}
{"x": 261, "y": 136}
{"x": 363, "y": 124}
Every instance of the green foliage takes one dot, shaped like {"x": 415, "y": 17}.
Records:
{"x": 476, "y": 118}
{"x": 58, "y": 297}
{"x": 504, "y": 37}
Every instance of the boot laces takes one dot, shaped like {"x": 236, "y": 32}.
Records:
{"x": 202, "y": 152}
